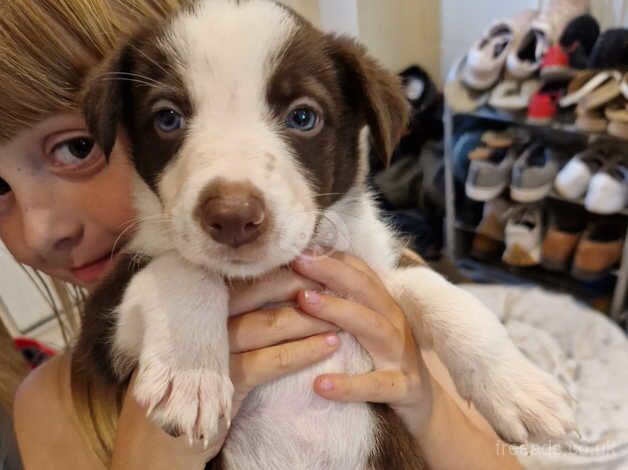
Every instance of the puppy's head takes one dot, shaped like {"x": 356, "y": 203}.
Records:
{"x": 240, "y": 115}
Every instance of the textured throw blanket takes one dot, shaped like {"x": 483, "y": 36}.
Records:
{"x": 589, "y": 354}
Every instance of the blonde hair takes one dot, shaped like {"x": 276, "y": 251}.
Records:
{"x": 12, "y": 370}
{"x": 48, "y": 47}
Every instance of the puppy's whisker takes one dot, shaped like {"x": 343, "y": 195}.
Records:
{"x": 150, "y": 59}
{"x": 132, "y": 80}
{"x": 133, "y": 75}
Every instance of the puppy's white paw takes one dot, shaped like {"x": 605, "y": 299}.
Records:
{"x": 522, "y": 402}
{"x": 191, "y": 402}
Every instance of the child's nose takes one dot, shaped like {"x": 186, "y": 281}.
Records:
{"x": 50, "y": 235}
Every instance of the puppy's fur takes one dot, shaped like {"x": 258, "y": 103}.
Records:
{"x": 235, "y": 72}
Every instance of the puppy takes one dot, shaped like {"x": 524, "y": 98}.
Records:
{"x": 249, "y": 130}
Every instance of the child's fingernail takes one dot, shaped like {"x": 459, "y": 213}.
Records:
{"x": 332, "y": 340}
{"x": 326, "y": 384}
{"x": 312, "y": 297}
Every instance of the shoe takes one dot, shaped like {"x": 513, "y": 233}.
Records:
{"x": 513, "y": 95}
{"x": 617, "y": 112}
{"x": 573, "y": 179}
{"x": 487, "y": 178}
{"x": 533, "y": 174}
{"x": 488, "y": 242}
{"x": 599, "y": 250}
{"x": 523, "y": 236}
{"x": 567, "y": 222}
{"x": 610, "y": 50}
{"x": 589, "y": 82}
{"x": 487, "y": 57}
{"x": 573, "y": 49}
{"x": 544, "y": 103}
{"x": 525, "y": 59}
{"x": 608, "y": 189}
{"x": 459, "y": 97}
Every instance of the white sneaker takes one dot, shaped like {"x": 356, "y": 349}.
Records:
{"x": 608, "y": 190}
{"x": 524, "y": 231}
{"x": 573, "y": 180}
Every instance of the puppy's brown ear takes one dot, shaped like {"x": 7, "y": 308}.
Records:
{"x": 373, "y": 92}
{"x": 104, "y": 97}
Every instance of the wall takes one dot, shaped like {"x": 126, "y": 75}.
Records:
{"x": 402, "y": 32}
{"x": 396, "y": 32}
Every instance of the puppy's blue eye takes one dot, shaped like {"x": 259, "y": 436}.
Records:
{"x": 168, "y": 120}
{"x": 302, "y": 119}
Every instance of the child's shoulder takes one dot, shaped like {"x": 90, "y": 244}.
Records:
{"x": 46, "y": 426}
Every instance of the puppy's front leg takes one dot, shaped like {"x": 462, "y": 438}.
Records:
{"x": 183, "y": 356}
{"x": 521, "y": 401}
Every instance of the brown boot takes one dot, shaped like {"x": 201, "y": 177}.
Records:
{"x": 599, "y": 250}
{"x": 567, "y": 222}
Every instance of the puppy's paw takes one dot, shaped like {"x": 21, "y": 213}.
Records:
{"x": 522, "y": 402}
{"x": 194, "y": 402}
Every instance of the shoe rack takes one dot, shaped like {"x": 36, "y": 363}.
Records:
{"x": 458, "y": 234}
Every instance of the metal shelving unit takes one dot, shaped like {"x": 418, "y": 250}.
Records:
{"x": 498, "y": 272}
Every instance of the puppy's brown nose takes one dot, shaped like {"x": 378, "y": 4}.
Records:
{"x": 233, "y": 214}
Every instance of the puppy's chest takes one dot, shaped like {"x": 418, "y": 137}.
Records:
{"x": 284, "y": 425}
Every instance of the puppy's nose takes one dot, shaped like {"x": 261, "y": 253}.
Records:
{"x": 233, "y": 215}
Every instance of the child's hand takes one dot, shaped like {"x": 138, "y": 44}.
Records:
{"x": 400, "y": 378}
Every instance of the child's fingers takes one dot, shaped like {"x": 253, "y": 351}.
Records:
{"x": 381, "y": 386}
{"x": 372, "y": 330}
{"x": 264, "y": 328}
{"x": 260, "y": 366}
{"x": 346, "y": 280}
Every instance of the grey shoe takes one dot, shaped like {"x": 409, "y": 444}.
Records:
{"x": 487, "y": 178}
{"x": 533, "y": 174}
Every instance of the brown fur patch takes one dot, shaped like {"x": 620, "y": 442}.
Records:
{"x": 93, "y": 350}
{"x": 396, "y": 448}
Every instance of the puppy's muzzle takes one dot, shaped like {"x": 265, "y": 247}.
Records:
{"x": 232, "y": 213}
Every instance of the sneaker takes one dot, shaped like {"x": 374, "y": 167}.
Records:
{"x": 599, "y": 250}
{"x": 533, "y": 174}
{"x": 573, "y": 180}
{"x": 488, "y": 177}
{"x": 543, "y": 104}
{"x": 608, "y": 189}
{"x": 523, "y": 236}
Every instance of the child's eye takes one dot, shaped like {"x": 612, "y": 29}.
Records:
{"x": 4, "y": 188}
{"x": 75, "y": 151}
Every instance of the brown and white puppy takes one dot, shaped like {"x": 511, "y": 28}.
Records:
{"x": 249, "y": 131}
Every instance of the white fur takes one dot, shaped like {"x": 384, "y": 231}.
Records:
{"x": 173, "y": 315}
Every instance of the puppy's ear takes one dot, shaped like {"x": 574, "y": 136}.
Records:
{"x": 104, "y": 96}
{"x": 372, "y": 91}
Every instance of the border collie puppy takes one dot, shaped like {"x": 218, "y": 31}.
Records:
{"x": 249, "y": 130}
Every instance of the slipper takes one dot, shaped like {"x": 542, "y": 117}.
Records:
{"x": 487, "y": 57}
{"x": 512, "y": 95}
{"x": 591, "y": 120}
{"x": 460, "y": 98}
{"x": 606, "y": 92}
{"x": 524, "y": 60}
{"x": 583, "y": 84}
{"x": 499, "y": 139}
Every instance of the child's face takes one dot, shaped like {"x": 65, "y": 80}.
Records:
{"x": 62, "y": 205}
